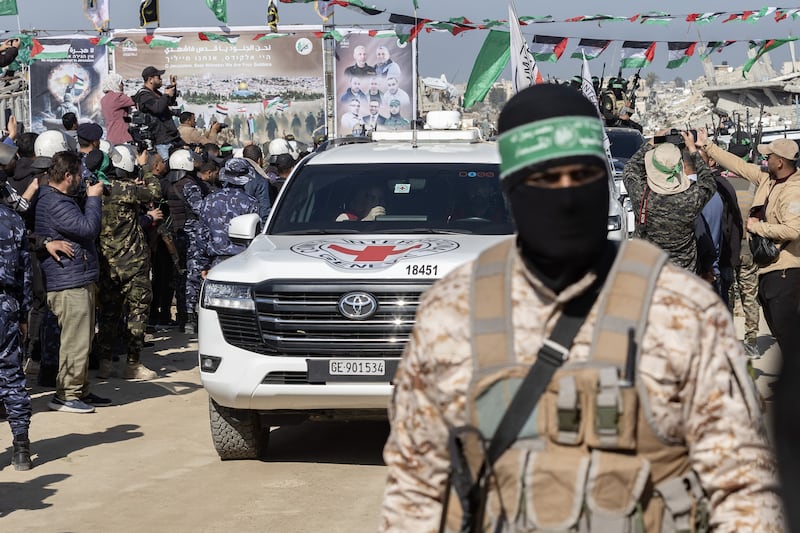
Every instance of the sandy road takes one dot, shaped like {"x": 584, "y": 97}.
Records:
{"x": 147, "y": 464}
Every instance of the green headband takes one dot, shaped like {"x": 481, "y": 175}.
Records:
{"x": 548, "y": 139}
{"x": 671, "y": 172}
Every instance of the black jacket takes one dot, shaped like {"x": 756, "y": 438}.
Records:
{"x": 158, "y": 106}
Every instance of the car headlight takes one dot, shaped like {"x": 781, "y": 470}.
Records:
{"x": 614, "y": 222}
{"x": 228, "y": 296}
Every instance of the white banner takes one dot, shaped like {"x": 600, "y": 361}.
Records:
{"x": 523, "y": 66}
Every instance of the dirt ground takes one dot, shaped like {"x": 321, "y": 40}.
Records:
{"x": 147, "y": 463}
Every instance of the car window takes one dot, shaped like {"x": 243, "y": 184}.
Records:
{"x": 624, "y": 144}
{"x": 393, "y": 198}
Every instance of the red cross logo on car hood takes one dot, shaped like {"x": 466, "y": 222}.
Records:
{"x": 371, "y": 254}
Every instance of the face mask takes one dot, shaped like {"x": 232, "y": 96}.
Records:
{"x": 564, "y": 225}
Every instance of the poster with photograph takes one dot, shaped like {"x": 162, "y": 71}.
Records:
{"x": 374, "y": 80}
{"x": 66, "y": 78}
{"x": 261, "y": 85}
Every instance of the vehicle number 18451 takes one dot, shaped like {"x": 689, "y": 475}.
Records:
{"x": 422, "y": 270}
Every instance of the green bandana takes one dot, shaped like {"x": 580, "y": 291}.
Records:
{"x": 552, "y": 138}
{"x": 671, "y": 172}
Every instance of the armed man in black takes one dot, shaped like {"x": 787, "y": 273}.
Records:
{"x": 158, "y": 106}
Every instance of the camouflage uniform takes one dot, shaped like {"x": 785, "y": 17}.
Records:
{"x": 124, "y": 265}
{"x": 215, "y": 216}
{"x": 691, "y": 367}
{"x": 670, "y": 217}
{"x": 193, "y": 192}
{"x": 15, "y": 302}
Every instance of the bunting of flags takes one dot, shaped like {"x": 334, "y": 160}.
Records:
{"x": 549, "y": 49}
{"x": 224, "y": 38}
{"x": 763, "y": 48}
{"x": 355, "y": 5}
{"x": 161, "y": 41}
{"x": 637, "y": 54}
{"x": 407, "y": 28}
{"x": 679, "y": 53}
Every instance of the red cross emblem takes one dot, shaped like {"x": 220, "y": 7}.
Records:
{"x": 372, "y": 254}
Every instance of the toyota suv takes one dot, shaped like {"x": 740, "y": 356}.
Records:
{"x": 311, "y": 320}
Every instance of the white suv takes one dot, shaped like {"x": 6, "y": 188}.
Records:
{"x": 311, "y": 320}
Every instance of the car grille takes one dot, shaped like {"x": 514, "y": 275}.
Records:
{"x": 301, "y": 318}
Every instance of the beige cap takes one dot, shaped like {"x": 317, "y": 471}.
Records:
{"x": 785, "y": 148}
{"x": 664, "y": 166}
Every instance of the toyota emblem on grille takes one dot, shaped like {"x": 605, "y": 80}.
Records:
{"x": 358, "y": 305}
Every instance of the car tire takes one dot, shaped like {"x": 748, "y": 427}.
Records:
{"x": 237, "y": 433}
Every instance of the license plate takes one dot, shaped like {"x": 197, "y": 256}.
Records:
{"x": 357, "y": 367}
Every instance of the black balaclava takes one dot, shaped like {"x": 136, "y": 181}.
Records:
{"x": 562, "y": 231}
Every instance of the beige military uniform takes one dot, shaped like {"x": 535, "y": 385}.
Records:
{"x": 691, "y": 365}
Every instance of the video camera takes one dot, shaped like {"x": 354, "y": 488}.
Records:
{"x": 139, "y": 126}
{"x": 674, "y": 137}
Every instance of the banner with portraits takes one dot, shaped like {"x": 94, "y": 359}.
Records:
{"x": 374, "y": 78}
{"x": 66, "y": 78}
{"x": 261, "y": 85}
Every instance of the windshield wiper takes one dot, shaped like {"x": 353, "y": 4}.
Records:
{"x": 316, "y": 231}
{"x": 428, "y": 230}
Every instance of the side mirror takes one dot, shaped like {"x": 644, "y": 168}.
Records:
{"x": 244, "y": 228}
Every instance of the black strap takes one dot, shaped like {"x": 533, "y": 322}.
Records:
{"x": 549, "y": 359}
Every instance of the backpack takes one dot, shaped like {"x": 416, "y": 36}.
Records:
{"x": 588, "y": 457}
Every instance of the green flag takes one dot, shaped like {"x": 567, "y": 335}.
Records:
{"x": 491, "y": 60}
{"x": 219, "y": 8}
{"x": 8, "y": 7}
{"x": 764, "y": 47}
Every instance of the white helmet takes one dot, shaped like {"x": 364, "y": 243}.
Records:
{"x": 281, "y": 146}
{"x": 50, "y": 143}
{"x": 123, "y": 156}
{"x": 105, "y": 146}
{"x": 181, "y": 160}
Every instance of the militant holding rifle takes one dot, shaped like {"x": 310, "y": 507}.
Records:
{"x": 169, "y": 244}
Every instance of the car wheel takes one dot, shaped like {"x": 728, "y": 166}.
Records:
{"x": 237, "y": 433}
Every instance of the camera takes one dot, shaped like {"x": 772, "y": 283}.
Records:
{"x": 222, "y": 126}
{"x": 674, "y": 137}
{"x": 140, "y": 129}
{"x": 92, "y": 179}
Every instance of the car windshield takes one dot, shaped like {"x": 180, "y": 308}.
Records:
{"x": 393, "y": 198}
{"x": 624, "y": 143}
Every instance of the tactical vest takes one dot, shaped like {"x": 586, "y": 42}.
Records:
{"x": 179, "y": 209}
{"x": 589, "y": 458}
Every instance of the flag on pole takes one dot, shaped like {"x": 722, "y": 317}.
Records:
{"x": 161, "y": 41}
{"x": 221, "y": 109}
{"x": 219, "y": 8}
{"x": 407, "y": 28}
{"x": 41, "y": 51}
{"x": 8, "y": 7}
{"x": 97, "y": 13}
{"x": 272, "y": 15}
{"x": 764, "y": 47}
{"x": 547, "y": 48}
{"x": 148, "y": 12}
{"x": 637, "y": 54}
{"x": 524, "y": 71}
{"x": 590, "y": 48}
{"x": 715, "y": 46}
{"x": 679, "y": 53}
{"x": 587, "y": 88}
{"x": 492, "y": 59}
{"x": 324, "y": 9}
{"x": 208, "y": 36}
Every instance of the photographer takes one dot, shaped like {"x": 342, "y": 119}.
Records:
{"x": 158, "y": 106}
{"x": 664, "y": 197}
{"x": 194, "y": 135}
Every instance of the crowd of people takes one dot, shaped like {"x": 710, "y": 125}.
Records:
{"x": 103, "y": 231}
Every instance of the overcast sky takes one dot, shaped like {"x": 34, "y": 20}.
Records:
{"x": 454, "y": 55}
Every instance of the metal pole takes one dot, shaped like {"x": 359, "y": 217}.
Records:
{"x": 329, "y": 44}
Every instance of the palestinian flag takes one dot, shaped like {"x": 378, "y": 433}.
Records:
{"x": 221, "y": 109}
{"x": 407, "y": 28}
{"x": 106, "y": 40}
{"x": 162, "y": 41}
{"x": 268, "y": 36}
{"x": 679, "y": 53}
{"x": 453, "y": 25}
{"x": 754, "y": 16}
{"x": 77, "y": 84}
{"x": 763, "y": 48}
{"x": 783, "y": 14}
{"x": 656, "y": 17}
{"x": 524, "y": 20}
{"x": 208, "y": 36}
{"x": 271, "y": 103}
{"x": 355, "y": 5}
{"x": 637, "y": 54}
{"x": 241, "y": 109}
{"x": 596, "y": 18}
{"x": 591, "y": 48}
{"x": 546, "y": 48}
{"x": 41, "y": 51}
{"x": 704, "y": 18}
{"x": 333, "y": 34}
{"x": 715, "y": 46}
{"x": 383, "y": 34}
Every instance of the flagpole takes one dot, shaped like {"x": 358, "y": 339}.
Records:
{"x": 415, "y": 87}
